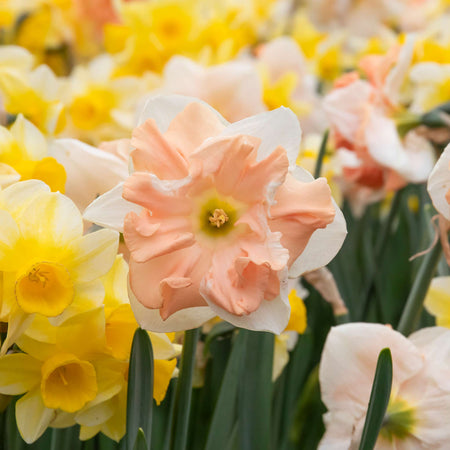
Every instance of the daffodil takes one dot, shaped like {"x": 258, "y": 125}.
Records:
{"x": 288, "y": 82}
{"x": 99, "y": 106}
{"x": 24, "y": 155}
{"x": 373, "y": 157}
{"x": 57, "y": 376}
{"x": 418, "y": 410}
{"x": 201, "y": 228}
{"x": 432, "y": 86}
{"x": 48, "y": 266}
{"x": 107, "y": 412}
{"x": 232, "y": 88}
{"x": 35, "y": 94}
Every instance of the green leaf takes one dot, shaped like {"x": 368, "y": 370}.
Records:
{"x": 140, "y": 389}
{"x": 255, "y": 396}
{"x": 321, "y": 155}
{"x": 183, "y": 394}
{"x": 224, "y": 412}
{"x": 141, "y": 442}
{"x": 379, "y": 400}
{"x": 220, "y": 329}
{"x": 414, "y": 303}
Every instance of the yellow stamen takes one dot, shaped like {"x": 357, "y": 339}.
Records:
{"x": 218, "y": 218}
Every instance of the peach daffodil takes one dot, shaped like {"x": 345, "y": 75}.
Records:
{"x": 418, "y": 410}
{"x": 217, "y": 216}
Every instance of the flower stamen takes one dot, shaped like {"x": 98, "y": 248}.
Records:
{"x": 218, "y": 218}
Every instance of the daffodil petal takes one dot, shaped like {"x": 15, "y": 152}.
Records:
{"x": 324, "y": 244}
{"x": 9, "y": 235}
{"x": 271, "y": 316}
{"x": 18, "y": 322}
{"x": 184, "y": 319}
{"x": 109, "y": 210}
{"x": 51, "y": 219}
{"x": 279, "y": 127}
{"x": 17, "y": 197}
{"x": 163, "y": 109}
{"x": 32, "y": 416}
{"x": 29, "y": 138}
{"x": 161, "y": 379}
{"x": 18, "y": 373}
{"x": 439, "y": 183}
{"x": 90, "y": 171}
{"x": 95, "y": 255}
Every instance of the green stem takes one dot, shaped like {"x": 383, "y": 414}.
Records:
{"x": 184, "y": 391}
{"x": 321, "y": 155}
{"x": 414, "y": 303}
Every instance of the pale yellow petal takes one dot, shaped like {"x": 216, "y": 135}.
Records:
{"x": 437, "y": 300}
{"x": 52, "y": 220}
{"x": 95, "y": 255}
{"x": 32, "y": 416}
{"x": 19, "y": 373}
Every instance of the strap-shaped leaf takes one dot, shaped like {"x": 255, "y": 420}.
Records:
{"x": 182, "y": 408}
{"x": 224, "y": 411}
{"x": 379, "y": 400}
{"x": 255, "y": 396}
{"x": 140, "y": 389}
{"x": 141, "y": 442}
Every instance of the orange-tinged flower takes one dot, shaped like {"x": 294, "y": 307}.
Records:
{"x": 216, "y": 215}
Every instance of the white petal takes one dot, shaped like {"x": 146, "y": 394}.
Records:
{"x": 339, "y": 430}
{"x": 324, "y": 243}
{"x": 346, "y": 107}
{"x": 434, "y": 342}
{"x": 15, "y": 56}
{"x": 90, "y": 171}
{"x": 109, "y": 210}
{"x": 397, "y": 75}
{"x": 349, "y": 360}
{"x": 439, "y": 183}
{"x": 185, "y": 319}
{"x": 383, "y": 142}
{"x": 279, "y": 127}
{"x": 164, "y": 108}
{"x": 32, "y": 416}
{"x": 271, "y": 316}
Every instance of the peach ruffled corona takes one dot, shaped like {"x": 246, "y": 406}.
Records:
{"x": 217, "y": 215}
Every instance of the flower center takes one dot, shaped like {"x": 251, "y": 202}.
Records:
{"x": 218, "y": 218}
{"x": 399, "y": 420}
{"x": 45, "y": 288}
{"x": 67, "y": 383}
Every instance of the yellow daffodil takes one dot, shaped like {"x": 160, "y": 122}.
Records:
{"x": 437, "y": 301}
{"x": 99, "y": 106}
{"x": 48, "y": 266}
{"x": 34, "y": 94}
{"x": 24, "y": 156}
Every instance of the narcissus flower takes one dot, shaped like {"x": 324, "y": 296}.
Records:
{"x": 217, "y": 215}
{"x": 419, "y": 405}
{"x": 24, "y": 155}
{"x": 48, "y": 266}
